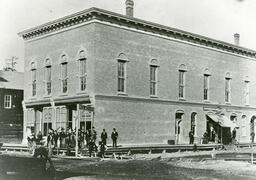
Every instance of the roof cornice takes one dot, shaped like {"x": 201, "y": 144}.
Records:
{"x": 103, "y": 15}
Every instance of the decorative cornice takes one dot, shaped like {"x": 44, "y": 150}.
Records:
{"x": 122, "y": 20}
{"x": 173, "y": 102}
{"x": 57, "y": 101}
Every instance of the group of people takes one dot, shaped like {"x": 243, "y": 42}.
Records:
{"x": 67, "y": 139}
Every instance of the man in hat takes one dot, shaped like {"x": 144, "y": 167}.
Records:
{"x": 114, "y": 137}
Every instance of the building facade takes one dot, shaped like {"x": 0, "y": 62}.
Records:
{"x": 151, "y": 82}
{"x": 11, "y": 97}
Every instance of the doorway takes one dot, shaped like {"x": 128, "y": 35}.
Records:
{"x": 252, "y": 129}
{"x": 178, "y": 127}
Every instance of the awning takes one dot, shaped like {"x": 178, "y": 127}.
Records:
{"x": 223, "y": 121}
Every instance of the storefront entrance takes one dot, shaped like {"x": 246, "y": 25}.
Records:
{"x": 178, "y": 127}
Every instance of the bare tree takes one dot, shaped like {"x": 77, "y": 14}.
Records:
{"x": 10, "y": 64}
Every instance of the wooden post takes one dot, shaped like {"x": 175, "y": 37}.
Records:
{"x": 252, "y": 153}
{"x": 77, "y": 124}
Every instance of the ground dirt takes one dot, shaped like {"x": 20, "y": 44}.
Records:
{"x": 147, "y": 166}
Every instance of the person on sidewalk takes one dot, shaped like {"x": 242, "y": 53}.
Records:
{"x": 94, "y": 134}
{"x": 191, "y": 137}
{"x": 104, "y": 137}
{"x": 114, "y": 137}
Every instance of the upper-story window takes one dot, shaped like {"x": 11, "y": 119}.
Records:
{"x": 182, "y": 70}
{"x": 121, "y": 73}
{"x": 64, "y": 74}
{"x": 227, "y": 88}
{"x": 82, "y": 70}
{"x": 48, "y": 76}
{"x": 7, "y": 101}
{"x": 33, "y": 78}
{"x": 153, "y": 77}
{"x": 247, "y": 91}
{"x": 206, "y": 84}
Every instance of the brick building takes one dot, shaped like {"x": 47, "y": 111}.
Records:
{"x": 11, "y": 97}
{"x": 151, "y": 82}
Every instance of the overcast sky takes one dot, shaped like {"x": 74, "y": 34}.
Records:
{"x": 218, "y": 19}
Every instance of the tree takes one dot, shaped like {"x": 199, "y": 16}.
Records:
{"x": 10, "y": 64}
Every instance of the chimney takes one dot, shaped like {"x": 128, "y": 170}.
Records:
{"x": 129, "y": 7}
{"x": 236, "y": 39}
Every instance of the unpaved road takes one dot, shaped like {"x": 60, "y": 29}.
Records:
{"x": 128, "y": 169}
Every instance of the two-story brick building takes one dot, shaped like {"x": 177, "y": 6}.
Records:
{"x": 11, "y": 97}
{"x": 151, "y": 82}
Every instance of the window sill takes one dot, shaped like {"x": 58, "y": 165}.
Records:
{"x": 47, "y": 96}
{"x": 207, "y": 101}
{"x": 247, "y": 105}
{"x": 81, "y": 92}
{"x": 228, "y": 103}
{"x": 153, "y": 96}
{"x": 122, "y": 94}
{"x": 7, "y": 108}
{"x": 32, "y": 98}
{"x": 63, "y": 94}
{"x": 182, "y": 99}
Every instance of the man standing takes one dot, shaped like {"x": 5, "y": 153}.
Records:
{"x": 114, "y": 136}
{"x": 104, "y": 137}
{"x": 94, "y": 134}
{"x": 191, "y": 137}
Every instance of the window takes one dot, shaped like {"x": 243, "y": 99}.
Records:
{"x": 33, "y": 78}
{"x": 227, "y": 89}
{"x": 121, "y": 73}
{"x": 7, "y": 101}
{"x": 243, "y": 125}
{"x": 61, "y": 117}
{"x": 182, "y": 70}
{"x": 153, "y": 80}
{"x": 121, "y": 76}
{"x": 247, "y": 91}
{"x": 233, "y": 117}
{"x": 47, "y": 120}
{"x": 64, "y": 78}
{"x": 194, "y": 123}
{"x": 181, "y": 84}
{"x": 82, "y": 70}
{"x": 48, "y": 79}
{"x": 206, "y": 87}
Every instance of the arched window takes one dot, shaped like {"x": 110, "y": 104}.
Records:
{"x": 247, "y": 90}
{"x": 182, "y": 70}
{"x": 48, "y": 76}
{"x": 194, "y": 123}
{"x": 33, "y": 78}
{"x": 233, "y": 117}
{"x": 207, "y": 75}
{"x": 227, "y": 87}
{"x": 243, "y": 125}
{"x": 82, "y": 70}
{"x": 252, "y": 128}
{"x": 153, "y": 77}
{"x": 178, "y": 126}
{"x": 64, "y": 73}
{"x": 121, "y": 73}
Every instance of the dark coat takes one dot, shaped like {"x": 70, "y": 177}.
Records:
{"x": 114, "y": 135}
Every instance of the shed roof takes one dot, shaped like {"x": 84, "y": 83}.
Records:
{"x": 11, "y": 80}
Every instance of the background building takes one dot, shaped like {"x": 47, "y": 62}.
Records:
{"x": 11, "y": 97}
{"x": 151, "y": 82}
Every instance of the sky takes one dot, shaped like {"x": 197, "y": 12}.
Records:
{"x": 218, "y": 19}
